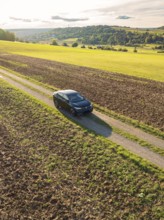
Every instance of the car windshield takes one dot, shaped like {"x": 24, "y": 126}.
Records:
{"x": 75, "y": 97}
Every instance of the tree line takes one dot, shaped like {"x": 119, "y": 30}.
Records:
{"x": 92, "y": 35}
{"x": 6, "y": 35}
{"x": 103, "y": 35}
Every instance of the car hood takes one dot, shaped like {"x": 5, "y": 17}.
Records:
{"x": 83, "y": 103}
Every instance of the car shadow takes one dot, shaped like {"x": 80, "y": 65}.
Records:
{"x": 90, "y": 121}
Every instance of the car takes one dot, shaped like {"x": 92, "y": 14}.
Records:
{"x": 72, "y": 101}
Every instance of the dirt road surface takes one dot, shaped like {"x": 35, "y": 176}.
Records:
{"x": 94, "y": 125}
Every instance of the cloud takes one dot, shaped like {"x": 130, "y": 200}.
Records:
{"x": 123, "y": 17}
{"x": 68, "y": 19}
{"x": 30, "y": 20}
{"x": 21, "y": 19}
{"x": 134, "y": 8}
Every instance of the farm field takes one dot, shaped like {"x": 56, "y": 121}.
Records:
{"x": 145, "y": 63}
{"x": 137, "y": 98}
{"x": 52, "y": 168}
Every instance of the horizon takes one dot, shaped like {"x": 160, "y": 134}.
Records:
{"x": 48, "y": 14}
{"x": 83, "y": 27}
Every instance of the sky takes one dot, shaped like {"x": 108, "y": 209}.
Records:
{"x": 78, "y": 13}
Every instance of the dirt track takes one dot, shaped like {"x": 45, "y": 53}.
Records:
{"x": 101, "y": 129}
{"x": 137, "y": 98}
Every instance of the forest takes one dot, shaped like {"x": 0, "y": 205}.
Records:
{"x": 94, "y": 35}
{"x": 90, "y": 35}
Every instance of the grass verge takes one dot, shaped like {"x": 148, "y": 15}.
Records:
{"x": 130, "y": 121}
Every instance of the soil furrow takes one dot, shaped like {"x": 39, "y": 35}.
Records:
{"x": 93, "y": 125}
{"x": 111, "y": 121}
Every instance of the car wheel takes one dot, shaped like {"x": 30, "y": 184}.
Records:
{"x": 73, "y": 112}
{"x": 56, "y": 104}
{"x": 90, "y": 111}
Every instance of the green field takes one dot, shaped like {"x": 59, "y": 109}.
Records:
{"x": 146, "y": 63}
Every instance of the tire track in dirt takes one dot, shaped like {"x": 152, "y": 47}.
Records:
{"x": 90, "y": 123}
{"x": 111, "y": 121}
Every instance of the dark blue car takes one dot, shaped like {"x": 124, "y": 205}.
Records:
{"x": 72, "y": 101}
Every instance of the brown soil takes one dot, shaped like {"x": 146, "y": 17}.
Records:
{"x": 90, "y": 123}
{"x": 138, "y": 98}
{"x": 53, "y": 169}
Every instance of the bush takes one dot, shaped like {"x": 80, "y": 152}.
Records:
{"x": 65, "y": 44}
{"x": 159, "y": 47}
{"x": 162, "y": 51}
{"x": 54, "y": 43}
{"x": 75, "y": 44}
{"x": 123, "y": 49}
{"x": 135, "y": 50}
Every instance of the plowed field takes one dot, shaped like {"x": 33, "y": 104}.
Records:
{"x": 53, "y": 169}
{"x": 138, "y": 98}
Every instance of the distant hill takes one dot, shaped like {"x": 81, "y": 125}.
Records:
{"x": 162, "y": 28}
{"x": 95, "y": 35}
{"x": 29, "y": 34}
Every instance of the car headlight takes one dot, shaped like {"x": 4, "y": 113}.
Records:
{"x": 77, "y": 108}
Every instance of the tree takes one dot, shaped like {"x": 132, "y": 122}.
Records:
{"x": 6, "y": 35}
{"x": 65, "y": 44}
{"x": 75, "y": 44}
{"x": 112, "y": 40}
{"x": 54, "y": 43}
{"x": 135, "y": 50}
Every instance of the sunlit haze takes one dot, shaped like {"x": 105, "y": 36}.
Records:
{"x": 73, "y": 13}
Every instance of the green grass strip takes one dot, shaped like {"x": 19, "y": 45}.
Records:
{"x": 140, "y": 162}
{"x": 125, "y": 119}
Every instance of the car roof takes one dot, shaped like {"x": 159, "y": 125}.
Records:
{"x": 67, "y": 91}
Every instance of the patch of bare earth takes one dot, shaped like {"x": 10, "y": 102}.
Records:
{"x": 53, "y": 169}
{"x": 138, "y": 98}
